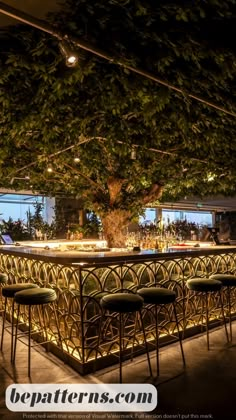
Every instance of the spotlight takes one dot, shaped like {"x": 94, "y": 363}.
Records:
{"x": 49, "y": 168}
{"x": 67, "y": 51}
{"x": 77, "y": 159}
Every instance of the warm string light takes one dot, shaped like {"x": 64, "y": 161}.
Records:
{"x": 211, "y": 177}
{"x": 89, "y": 139}
{"x": 133, "y": 155}
{"x": 49, "y": 169}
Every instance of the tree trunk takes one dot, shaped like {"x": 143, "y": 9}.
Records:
{"x": 114, "y": 225}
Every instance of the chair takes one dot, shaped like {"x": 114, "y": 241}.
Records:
{"x": 31, "y": 298}
{"x": 204, "y": 287}
{"x": 159, "y": 297}
{"x": 8, "y": 292}
{"x": 228, "y": 281}
{"x": 123, "y": 303}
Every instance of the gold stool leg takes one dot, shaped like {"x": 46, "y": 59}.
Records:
{"x": 120, "y": 344}
{"x": 29, "y": 346}
{"x": 223, "y": 316}
{"x": 207, "y": 320}
{"x": 12, "y": 328}
{"x": 3, "y": 322}
{"x": 157, "y": 340}
{"x": 179, "y": 334}
{"x": 16, "y": 332}
{"x": 146, "y": 344}
{"x": 229, "y": 311}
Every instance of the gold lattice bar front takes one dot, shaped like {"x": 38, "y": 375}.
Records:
{"x": 88, "y": 338}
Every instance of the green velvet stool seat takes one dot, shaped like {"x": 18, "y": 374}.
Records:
{"x": 123, "y": 303}
{"x": 34, "y": 297}
{"x": 159, "y": 297}
{"x": 204, "y": 287}
{"x": 228, "y": 281}
{"x": 200, "y": 284}
{"x": 8, "y": 292}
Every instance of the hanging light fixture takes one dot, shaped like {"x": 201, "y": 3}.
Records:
{"x": 133, "y": 155}
{"x": 49, "y": 168}
{"x": 70, "y": 56}
{"x": 77, "y": 159}
{"x": 25, "y": 178}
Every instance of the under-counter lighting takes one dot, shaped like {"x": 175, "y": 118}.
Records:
{"x": 80, "y": 263}
{"x": 65, "y": 245}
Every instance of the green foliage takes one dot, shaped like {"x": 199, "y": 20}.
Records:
{"x": 20, "y": 230}
{"x": 36, "y": 221}
{"x": 99, "y": 110}
{"x": 92, "y": 226}
{"x": 183, "y": 229}
{"x": 17, "y": 229}
{"x": 37, "y": 225}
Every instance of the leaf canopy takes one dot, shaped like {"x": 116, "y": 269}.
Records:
{"x": 135, "y": 138}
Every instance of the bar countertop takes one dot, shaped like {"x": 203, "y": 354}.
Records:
{"x": 66, "y": 253}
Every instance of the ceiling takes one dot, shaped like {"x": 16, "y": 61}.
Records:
{"x": 19, "y": 198}
{"x": 36, "y": 8}
{"x": 217, "y": 203}
{"x": 39, "y": 9}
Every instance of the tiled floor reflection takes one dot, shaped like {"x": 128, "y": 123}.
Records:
{"x": 205, "y": 389}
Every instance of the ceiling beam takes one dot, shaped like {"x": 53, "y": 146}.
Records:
{"x": 45, "y": 27}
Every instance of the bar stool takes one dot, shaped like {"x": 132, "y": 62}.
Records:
{"x": 3, "y": 281}
{"x": 8, "y": 292}
{"x": 203, "y": 287}
{"x": 125, "y": 303}
{"x": 158, "y": 297}
{"x": 228, "y": 281}
{"x": 32, "y": 297}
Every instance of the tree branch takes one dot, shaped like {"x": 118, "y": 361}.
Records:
{"x": 95, "y": 184}
{"x": 114, "y": 187}
{"x": 153, "y": 193}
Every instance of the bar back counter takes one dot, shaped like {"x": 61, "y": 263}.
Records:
{"x": 88, "y": 338}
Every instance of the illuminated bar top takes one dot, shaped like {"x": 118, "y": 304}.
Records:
{"x": 95, "y": 251}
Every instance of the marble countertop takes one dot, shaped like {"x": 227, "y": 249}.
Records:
{"x": 63, "y": 252}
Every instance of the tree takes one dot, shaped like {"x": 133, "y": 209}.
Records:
{"x": 138, "y": 141}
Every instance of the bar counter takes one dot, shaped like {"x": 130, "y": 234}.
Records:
{"x": 66, "y": 252}
{"x": 88, "y": 337}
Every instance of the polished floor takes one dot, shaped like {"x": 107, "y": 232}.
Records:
{"x": 205, "y": 389}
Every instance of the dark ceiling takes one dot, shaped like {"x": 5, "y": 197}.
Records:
{"x": 36, "y": 8}
{"x": 39, "y": 9}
